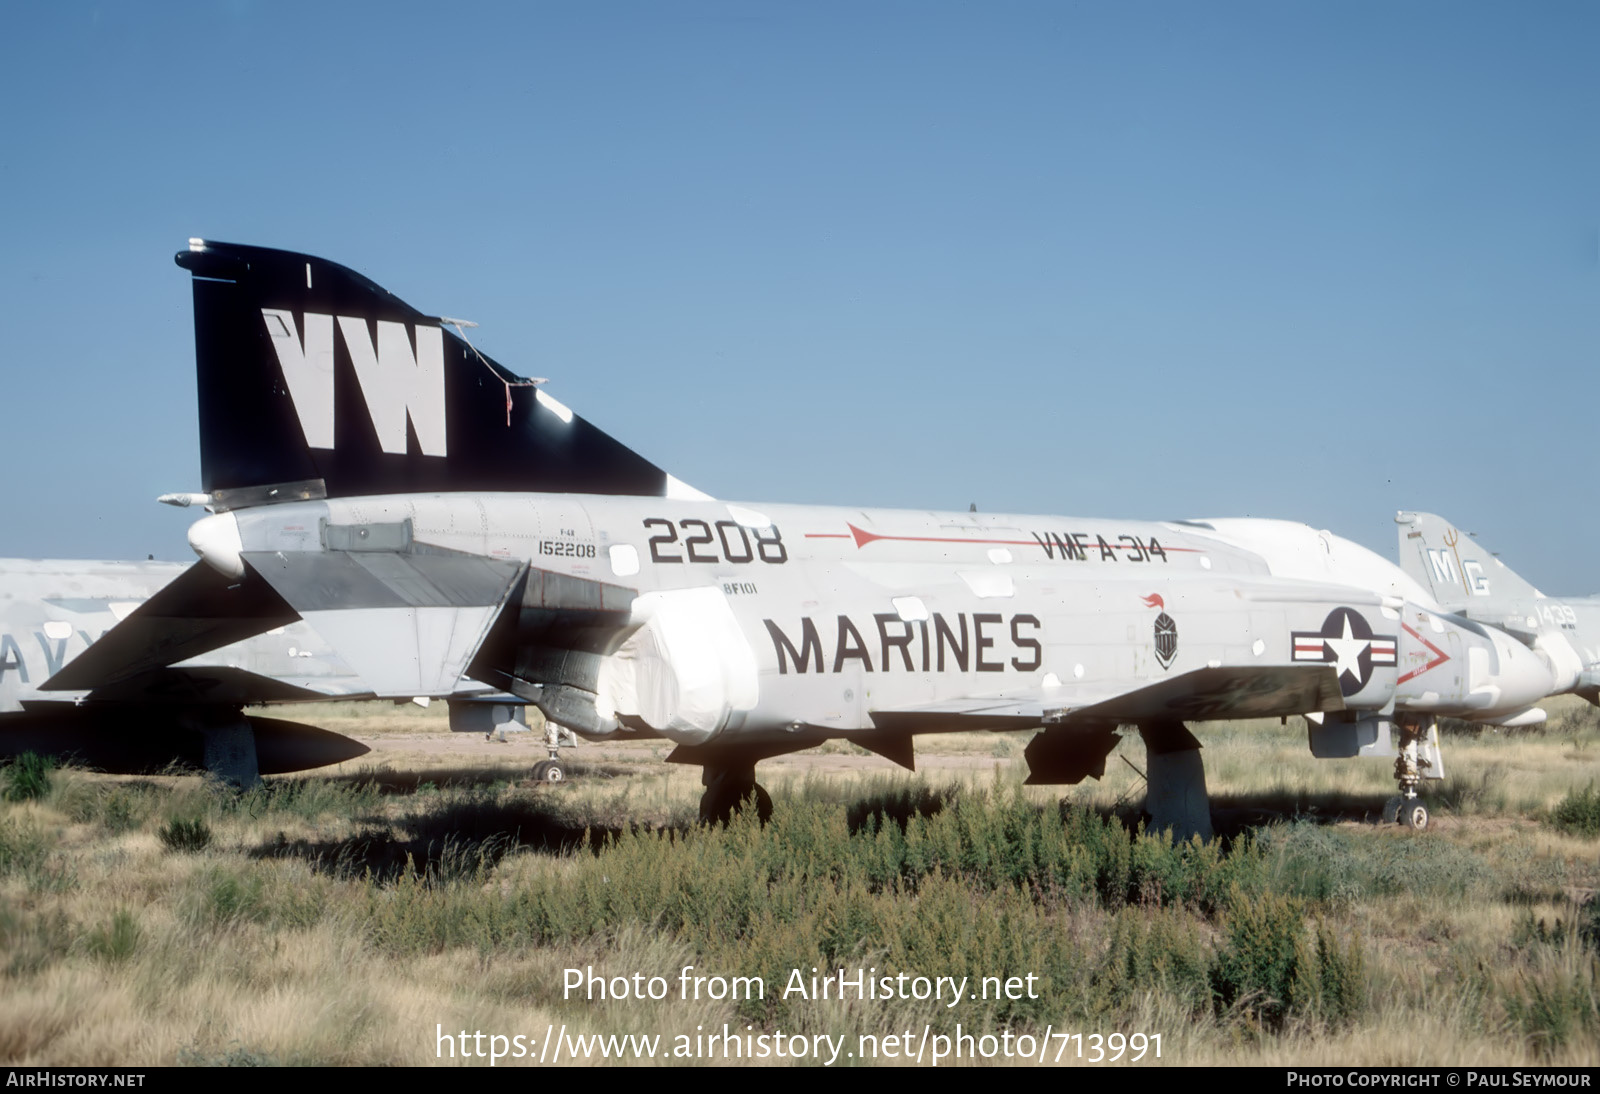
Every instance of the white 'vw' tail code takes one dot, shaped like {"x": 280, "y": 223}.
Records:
{"x": 395, "y": 383}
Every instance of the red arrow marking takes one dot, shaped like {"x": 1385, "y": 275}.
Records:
{"x": 1439, "y": 656}
{"x": 863, "y": 537}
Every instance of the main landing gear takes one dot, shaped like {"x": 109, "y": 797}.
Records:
{"x": 730, "y": 790}
{"x": 1418, "y": 759}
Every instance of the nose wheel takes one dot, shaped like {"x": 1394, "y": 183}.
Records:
{"x": 1418, "y": 759}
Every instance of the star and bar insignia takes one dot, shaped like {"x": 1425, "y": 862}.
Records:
{"x": 1346, "y": 641}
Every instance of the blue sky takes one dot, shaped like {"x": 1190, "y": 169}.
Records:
{"x": 1149, "y": 260}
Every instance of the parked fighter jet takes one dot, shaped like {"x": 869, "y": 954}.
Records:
{"x": 432, "y": 514}
{"x": 191, "y": 713}
{"x": 1468, "y": 579}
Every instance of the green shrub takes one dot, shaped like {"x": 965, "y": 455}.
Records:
{"x": 22, "y": 849}
{"x": 1589, "y": 922}
{"x": 26, "y": 853}
{"x": 186, "y": 835}
{"x": 115, "y": 941}
{"x": 1271, "y": 968}
{"x": 1153, "y": 949}
{"x": 124, "y": 810}
{"x": 1579, "y": 812}
{"x": 28, "y": 777}
{"x": 1256, "y": 971}
{"x": 1342, "y": 977}
{"x": 1323, "y": 864}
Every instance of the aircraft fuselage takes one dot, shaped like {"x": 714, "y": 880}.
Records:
{"x": 822, "y": 618}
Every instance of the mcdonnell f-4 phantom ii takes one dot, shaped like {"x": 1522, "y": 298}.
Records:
{"x": 191, "y": 714}
{"x": 51, "y": 611}
{"x": 1468, "y": 580}
{"x": 431, "y": 514}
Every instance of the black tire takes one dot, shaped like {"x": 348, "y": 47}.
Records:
{"x": 538, "y": 770}
{"x": 1416, "y": 817}
{"x": 555, "y": 772}
{"x": 1391, "y": 809}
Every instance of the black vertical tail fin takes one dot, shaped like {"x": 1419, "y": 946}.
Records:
{"x": 316, "y": 382}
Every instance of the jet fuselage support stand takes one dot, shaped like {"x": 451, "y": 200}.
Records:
{"x": 1175, "y": 781}
{"x": 228, "y": 748}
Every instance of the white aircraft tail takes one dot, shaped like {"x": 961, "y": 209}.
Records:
{"x": 1462, "y": 575}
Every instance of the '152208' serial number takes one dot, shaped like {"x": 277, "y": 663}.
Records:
{"x": 566, "y": 548}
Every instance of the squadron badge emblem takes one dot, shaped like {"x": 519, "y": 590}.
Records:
{"x": 1166, "y": 632}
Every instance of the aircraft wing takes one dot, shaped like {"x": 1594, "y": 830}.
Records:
{"x": 1206, "y": 694}
{"x": 1079, "y": 721}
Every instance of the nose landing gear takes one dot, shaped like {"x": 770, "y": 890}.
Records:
{"x": 1419, "y": 759}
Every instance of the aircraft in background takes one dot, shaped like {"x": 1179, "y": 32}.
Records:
{"x": 432, "y": 515}
{"x": 191, "y": 713}
{"x": 51, "y": 611}
{"x": 1467, "y": 579}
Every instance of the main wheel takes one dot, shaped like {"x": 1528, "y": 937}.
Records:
{"x": 1416, "y": 816}
{"x": 554, "y": 772}
{"x": 1391, "y": 809}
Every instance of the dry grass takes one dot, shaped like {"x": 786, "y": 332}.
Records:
{"x": 301, "y": 932}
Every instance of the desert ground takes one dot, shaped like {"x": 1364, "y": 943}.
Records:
{"x": 388, "y": 910}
